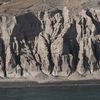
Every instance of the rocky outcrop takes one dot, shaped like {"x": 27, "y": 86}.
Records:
{"x": 52, "y": 43}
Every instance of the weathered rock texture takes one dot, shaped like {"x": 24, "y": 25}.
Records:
{"x": 51, "y": 42}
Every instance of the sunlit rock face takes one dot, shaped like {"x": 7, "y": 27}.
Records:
{"x": 50, "y": 43}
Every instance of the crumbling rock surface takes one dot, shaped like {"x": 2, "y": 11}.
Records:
{"x": 52, "y": 43}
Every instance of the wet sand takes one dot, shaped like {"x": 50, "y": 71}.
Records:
{"x": 29, "y": 84}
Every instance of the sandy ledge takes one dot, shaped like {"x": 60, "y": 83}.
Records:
{"x": 42, "y": 80}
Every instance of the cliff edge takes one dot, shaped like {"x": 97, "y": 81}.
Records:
{"x": 50, "y": 40}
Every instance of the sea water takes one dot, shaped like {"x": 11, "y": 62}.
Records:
{"x": 51, "y": 93}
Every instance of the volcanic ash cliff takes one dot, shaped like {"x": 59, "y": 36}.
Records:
{"x": 50, "y": 43}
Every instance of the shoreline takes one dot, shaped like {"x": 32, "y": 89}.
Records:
{"x": 33, "y": 84}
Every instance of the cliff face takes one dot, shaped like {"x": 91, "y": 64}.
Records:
{"x": 51, "y": 42}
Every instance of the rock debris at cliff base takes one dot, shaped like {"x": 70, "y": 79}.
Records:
{"x": 50, "y": 43}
